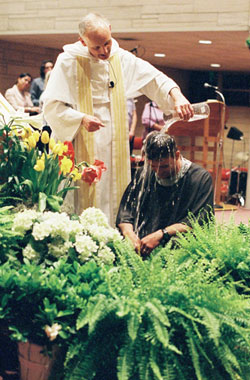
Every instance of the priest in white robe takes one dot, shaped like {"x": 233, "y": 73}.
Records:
{"x": 85, "y": 102}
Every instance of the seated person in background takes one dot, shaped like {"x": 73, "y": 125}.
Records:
{"x": 19, "y": 97}
{"x": 156, "y": 204}
{"x": 152, "y": 118}
{"x": 132, "y": 120}
{"x": 37, "y": 85}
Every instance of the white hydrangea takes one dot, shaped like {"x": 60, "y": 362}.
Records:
{"x": 30, "y": 254}
{"x": 63, "y": 226}
{"x": 57, "y": 250}
{"x": 41, "y": 230}
{"x": 105, "y": 255}
{"x": 56, "y": 224}
{"x": 103, "y": 234}
{"x": 24, "y": 220}
{"x": 95, "y": 216}
{"x": 85, "y": 246}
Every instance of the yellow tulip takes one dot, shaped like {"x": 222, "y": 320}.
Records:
{"x": 36, "y": 135}
{"x": 28, "y": 131}
{"x": 76, "y": 175}
{"x": 32, "y": 141}
{"x": 45, "y": 137}
{"x": 52, "y": 143}
{"x": 58, "y": 149}
{"x": 40, "y": 165}
{"x": 66, "y": 165}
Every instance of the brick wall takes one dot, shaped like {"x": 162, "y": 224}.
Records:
{"x": 18, "y": 58}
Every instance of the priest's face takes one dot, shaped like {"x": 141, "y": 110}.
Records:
{"x": 166, "y": 167}
{"x": 98, "y": 42}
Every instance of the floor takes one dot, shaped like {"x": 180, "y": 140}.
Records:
{"x": 231, "y": 212}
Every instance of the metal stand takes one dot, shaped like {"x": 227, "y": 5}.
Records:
{"x": 219, "y": 155}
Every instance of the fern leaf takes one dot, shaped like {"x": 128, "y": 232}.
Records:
{"x": 125, "y": 362}
{"x": 195, "y": 358}
{"x": 153, "y": 364}
{"x": 212, "y": 324}
{"x": 133, "y": 326}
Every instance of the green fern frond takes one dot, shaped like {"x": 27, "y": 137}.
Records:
{"x": 94, "y": 312}
{"x": 125, "y": 362}
{"x": 133, "y": 325}
{"x": 160, "y": 331}
{"x": 156, "y": 370}
{"x": 194, "y": 356}
{"x": 212, "y": 323}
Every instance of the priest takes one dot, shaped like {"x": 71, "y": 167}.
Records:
{"x": 85, "y": 102}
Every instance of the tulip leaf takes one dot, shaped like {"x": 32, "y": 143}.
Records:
{"x": 42, "y": 198}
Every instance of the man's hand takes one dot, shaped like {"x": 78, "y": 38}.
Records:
{"x": 149, "y": 242}
{"x": 135, "y": 240}
{"x": 127, "y": 231}
{"x": 91, "y": 123}
{"x": 181, "y": 104}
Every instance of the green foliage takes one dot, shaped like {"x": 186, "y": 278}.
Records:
{"x": 9, "y": 240}
{"x": 225, "y": 246}
{"x": 33, "y": 297}
{"x": 181, "y": 314}
{"x": 177, "y": 316}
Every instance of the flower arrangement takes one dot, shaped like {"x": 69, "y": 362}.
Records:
{"x": 32, "y": 176}
{"x": 45, "y": 237}
{"x": 52, "y": 266}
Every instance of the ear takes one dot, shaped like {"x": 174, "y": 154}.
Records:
{"x": 82, "y": 41}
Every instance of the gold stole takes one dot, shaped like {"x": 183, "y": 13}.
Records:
{"x": 85, "y": 144}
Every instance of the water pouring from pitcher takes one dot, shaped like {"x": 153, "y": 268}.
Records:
{"x": 201, "y": 111}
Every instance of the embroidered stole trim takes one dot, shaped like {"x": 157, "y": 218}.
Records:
{"x": 84, "y": 145}
{"x": 120, "y": 146}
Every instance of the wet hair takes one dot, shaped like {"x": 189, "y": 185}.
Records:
{"x": 42, "y": 67}
{"x": 92, "y": 22}
{"x": 159, "y": 145}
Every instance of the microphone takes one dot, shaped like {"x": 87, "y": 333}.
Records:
{"x": 111, "y": 84}
{"x": 207, "y": 85}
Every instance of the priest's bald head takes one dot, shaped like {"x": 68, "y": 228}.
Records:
{"x": 95, "y": 33}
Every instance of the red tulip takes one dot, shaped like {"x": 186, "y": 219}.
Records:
{"x": 92, "y": 174}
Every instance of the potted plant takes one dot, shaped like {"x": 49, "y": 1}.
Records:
{"x": 41, "y": 305}
{"x": 31, "y": 176}
{"x": 52, "y": 266}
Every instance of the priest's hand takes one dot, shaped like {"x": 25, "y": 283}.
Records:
{"x": 149, "y": 242}
{"x": 181, "y": 104}
{"x": 91, "y": 123}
